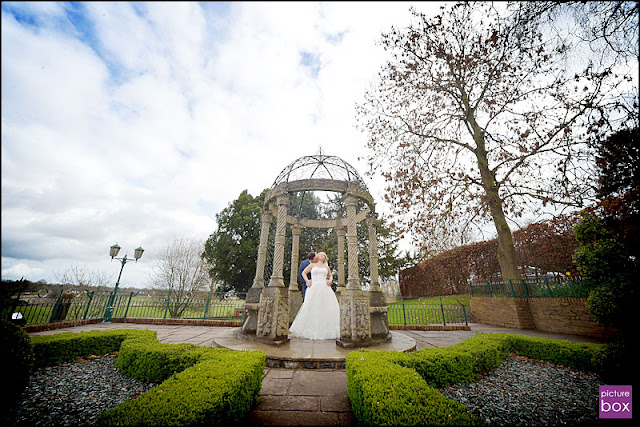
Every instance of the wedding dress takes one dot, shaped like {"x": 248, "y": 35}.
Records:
{"x": 319, "y": 315}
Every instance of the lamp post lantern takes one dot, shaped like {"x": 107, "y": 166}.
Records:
{"x": 113, "y": 252}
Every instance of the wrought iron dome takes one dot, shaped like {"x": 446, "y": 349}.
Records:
{"x": 319, "y": 166}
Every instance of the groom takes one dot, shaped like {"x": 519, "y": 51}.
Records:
{"x": 303, "y": 265}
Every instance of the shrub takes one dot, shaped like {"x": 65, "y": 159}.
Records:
{"x": 16, "y": 357}
{"x": 144, "y": 358}
{"x": 50, "y": 350}
{"x": 200, "y": 385}
{"x": 384, "y": 393}
{"x": 220, "y": 390}
{"x": 388, "y": 388}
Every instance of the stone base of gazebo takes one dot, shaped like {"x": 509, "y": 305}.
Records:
{"x": 363, "y": 319}
{"x": 305, "y": 354}
{"x": 366, "y": 343}
{"x": 254, "y": 339}
{"x": 273, "y": 316}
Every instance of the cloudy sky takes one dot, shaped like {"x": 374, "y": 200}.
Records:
{"x": 138, "y": 122}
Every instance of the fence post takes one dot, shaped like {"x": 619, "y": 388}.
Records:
{"x": 56, "y": 307}
{"x": 513, "y": 294}
{"x": 404, "y": 314}
{"x": 464, "y": 311}
{"x": 526, "y": 291}
{"x": 444, "y": 322}
{"x": 167, "y": 307}
{"x": 206, "y": 307}
{"x": 546, "y": 281}
{"x": 489, "y": 287}
{"x": 86, "y": 312}
{"x": 128, "y": 304}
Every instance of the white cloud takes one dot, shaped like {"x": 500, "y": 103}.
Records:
{"x": 137, "y": 122}
{"x": 21, "y": 270}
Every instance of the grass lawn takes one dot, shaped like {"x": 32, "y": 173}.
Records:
{"x": 428, "y": 310}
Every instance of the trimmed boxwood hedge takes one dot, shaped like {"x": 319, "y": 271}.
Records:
{"x": 390, "y": 388}
{"x": 199, "y": 385}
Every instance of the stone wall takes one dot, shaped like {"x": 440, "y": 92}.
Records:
{"x": 559, "y": 315}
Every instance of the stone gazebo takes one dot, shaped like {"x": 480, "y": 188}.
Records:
{"x": 272, "y": 307}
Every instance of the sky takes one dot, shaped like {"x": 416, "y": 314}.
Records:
{"x": 136, "y": 123}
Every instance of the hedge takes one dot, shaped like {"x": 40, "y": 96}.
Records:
{"x": 390, "y": 388}
{"x": 199, "y": 385}
{"x": 16, "y": 357}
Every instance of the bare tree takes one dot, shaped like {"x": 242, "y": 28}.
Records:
{"x": 82, "y": 277}
{"x": 609, "y": 27}
{"x": 477, "y": 117}
{"x": 181, "y": 271}
{"x": 604, "y": 35}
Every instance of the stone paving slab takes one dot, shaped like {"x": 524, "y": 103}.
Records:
{"x": 300, "y": 397}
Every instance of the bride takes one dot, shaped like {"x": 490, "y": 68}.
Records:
{"x": 319, "y": 315}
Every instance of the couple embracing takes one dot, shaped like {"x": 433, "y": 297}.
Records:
{"x": 319, "y": 315}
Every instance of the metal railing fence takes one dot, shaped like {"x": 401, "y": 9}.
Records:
{"x": 422, "y": 312}
{"x": 532, "y": 287}
{"x": 71, "y": 306}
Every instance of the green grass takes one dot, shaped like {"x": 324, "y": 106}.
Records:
{"x": 428, "y": 310}
{"x": 143, "y": 307}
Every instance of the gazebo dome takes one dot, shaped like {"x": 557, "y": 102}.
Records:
{"x": 319, "y": 166}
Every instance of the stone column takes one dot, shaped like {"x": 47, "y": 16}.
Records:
{"x": 277, "y": 275}
{"x": 355, "y": 316}
{"x": 295, "y": 295}
{"x": 258, "y": 282}
{"x": 273, "y": 315}
{"x": 353, "y": 281}
{"x": 252, "y": 303}
{"x": 373, "y": 252}
{"x": 341, "y": 282}
{"x": 377, "y": 301}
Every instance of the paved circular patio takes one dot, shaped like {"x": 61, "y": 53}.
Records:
{"x": 308, "y": 354}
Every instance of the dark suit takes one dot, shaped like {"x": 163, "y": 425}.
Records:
{"x": 303, "y": 265}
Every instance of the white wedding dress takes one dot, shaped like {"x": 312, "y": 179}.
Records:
{"x": 319, "y": 315}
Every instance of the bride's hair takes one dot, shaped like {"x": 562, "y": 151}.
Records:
{"x": 322, "y": 257}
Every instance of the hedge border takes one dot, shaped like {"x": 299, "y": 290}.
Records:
{"x": 199, "y": 385}
{"x": 387, "y": 388}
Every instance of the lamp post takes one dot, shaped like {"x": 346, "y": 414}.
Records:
{"x": 113, "y": 253}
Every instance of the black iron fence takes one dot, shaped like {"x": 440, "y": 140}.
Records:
{"x": 71, "y": 305}
{"x": 532, "y": 287}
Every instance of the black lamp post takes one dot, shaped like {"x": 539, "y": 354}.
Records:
{"x": 113, "y": 253}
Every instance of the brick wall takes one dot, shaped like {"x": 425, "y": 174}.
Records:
{"x": 559, "y": 315}
{"x": 60, "y": 325}
{"x": 72, "y": 323}
{"x": 504, "y": 312}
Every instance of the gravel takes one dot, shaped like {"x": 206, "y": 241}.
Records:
{"x": 527, "y": 392}
{"x": 75, "y": 393}
{"x": 519, "y": 392}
